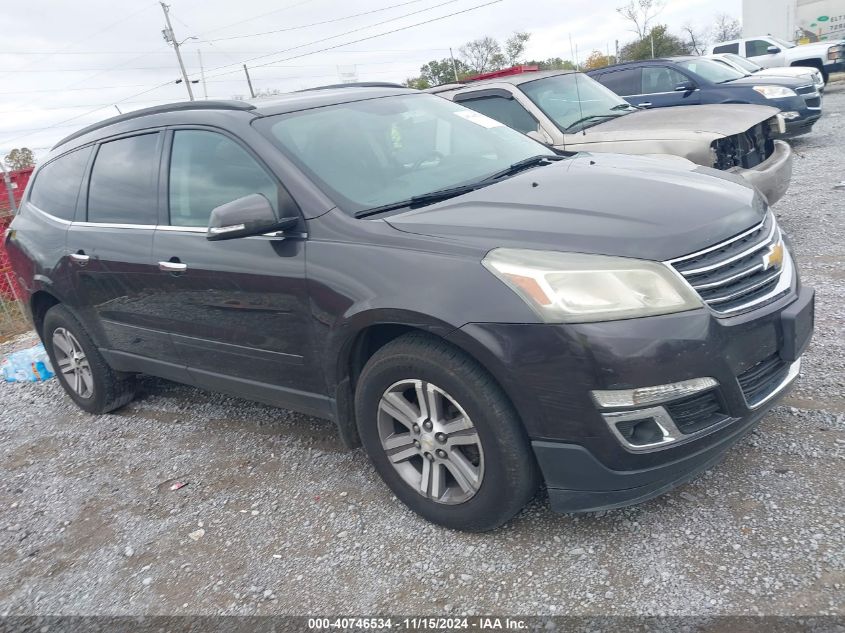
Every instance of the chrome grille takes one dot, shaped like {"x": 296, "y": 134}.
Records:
{"x": 803, "y": 90}
{"x": 738, "y": 274}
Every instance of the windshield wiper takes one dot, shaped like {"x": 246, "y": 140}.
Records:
{"x": 591, "y": 117}
{"x": 423, "y": 199}
{"x": 533, "y": 161}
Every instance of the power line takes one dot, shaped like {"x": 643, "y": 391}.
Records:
{"x": 363, "y": 39}
{"x": 84, "y": 39}
{"x": 334, "y": 37}
{"x": 305, "y": 26}
{"x": 256, "y": 17}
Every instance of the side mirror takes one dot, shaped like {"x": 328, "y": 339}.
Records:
{"x": 685, "y": 86}
{"x": 250, "y": 215}
{"x": 773, "y": 50}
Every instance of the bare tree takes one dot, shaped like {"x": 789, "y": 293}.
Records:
{"x": 696, "y": 41}
{"x": 515, "y": 47}
{"x": 641, "y": 13}
{"x": 726, "y": 28}
{"x": 482, "y": 55}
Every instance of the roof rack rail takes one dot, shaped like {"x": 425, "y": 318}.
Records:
{"x": 356, "y": 84}
{"x": 170, "y": 107}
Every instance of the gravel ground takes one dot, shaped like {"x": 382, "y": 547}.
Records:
{"x": 278, "y": 518}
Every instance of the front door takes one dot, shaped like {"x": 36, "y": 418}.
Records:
{"x": 660, "y": 88}
{"x": 238, "y": 311}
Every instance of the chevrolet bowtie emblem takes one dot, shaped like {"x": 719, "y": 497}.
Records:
{"x": 774, "y": 258}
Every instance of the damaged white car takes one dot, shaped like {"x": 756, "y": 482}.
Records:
{"x": 572, "y": 112}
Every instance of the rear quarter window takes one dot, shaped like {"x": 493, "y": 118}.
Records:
{"x": 57, "y": 184}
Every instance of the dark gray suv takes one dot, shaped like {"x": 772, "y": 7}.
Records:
{"x": 481, "y": 313}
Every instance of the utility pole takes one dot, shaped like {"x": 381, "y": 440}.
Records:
{"x": 454, "y": 65}
{"x": 652, "y": 45}
{"x": 170, "y": 38}
{"x": 202, "y": 74}
{"x": 617, "y": 60}
{"x": 249, "y": 82}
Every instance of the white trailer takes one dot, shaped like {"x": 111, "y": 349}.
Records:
{"x": 801, "y": 21}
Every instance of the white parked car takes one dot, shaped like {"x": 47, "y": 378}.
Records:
{"x": 769, "y": 51}
{"x": 749, "y": 67}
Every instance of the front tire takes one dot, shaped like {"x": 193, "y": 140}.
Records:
{"x": 83, "y": 372}
{"x": 443, "y": 435}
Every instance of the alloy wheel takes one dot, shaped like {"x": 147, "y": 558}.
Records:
{"x": 431, "y": 441}
{"x": 73, "y": 363}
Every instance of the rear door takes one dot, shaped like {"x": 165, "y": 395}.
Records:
{"x": 626, "y": 82}
{"x": 237, "y": 310}
{"x": 110, "y": 246}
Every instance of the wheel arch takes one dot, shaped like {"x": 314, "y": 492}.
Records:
{"x": 376, "y": 331}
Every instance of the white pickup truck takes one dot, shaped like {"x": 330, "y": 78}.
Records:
{"x": 768, "y": 51}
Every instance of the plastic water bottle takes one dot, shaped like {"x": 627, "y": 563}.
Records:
{"x": 27, "y": 365}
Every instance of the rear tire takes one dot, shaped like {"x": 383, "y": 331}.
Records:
{"x": 481, "y": 470}
{"x": 83, "y": 372}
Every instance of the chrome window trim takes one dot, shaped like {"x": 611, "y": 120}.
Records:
{"x": 791, "y": 375}
{"x": 114, "y": 225}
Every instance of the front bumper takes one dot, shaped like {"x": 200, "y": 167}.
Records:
{"x": 771, "y": 177}
{"x": 549, "y": 372}
{"x": 801, "y": 126}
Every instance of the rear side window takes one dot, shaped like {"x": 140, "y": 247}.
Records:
{"x": 727, "y": 48}
{"x": 623, "y": 82}
{"x": 123, "y": 187}
{"x": 507, "y": 111}
{"x": 208, "y": 169}
{"x": 57, "y": 185}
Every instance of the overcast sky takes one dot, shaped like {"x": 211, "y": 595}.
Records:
{"x": 66, "y": 64}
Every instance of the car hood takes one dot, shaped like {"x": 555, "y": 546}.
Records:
{"x": 629, "y": 206}
{"x": 679, "y": 122}
{"x": 753, "y": 80}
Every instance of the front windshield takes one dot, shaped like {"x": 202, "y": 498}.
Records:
{"x": 575, "y": 101}
{"x": 378, "y": 152}
{"x": 745, "y": 64}
{"x": 710, "y": 70}
{"x": 782, "y": 43}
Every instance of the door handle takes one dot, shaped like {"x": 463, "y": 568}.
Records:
{"x": 80, "y": 257}
{"x": 645, "y": 104}
{"x": 173, "y": 267}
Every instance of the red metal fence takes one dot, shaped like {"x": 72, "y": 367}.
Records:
{"x": 19, "y": 180}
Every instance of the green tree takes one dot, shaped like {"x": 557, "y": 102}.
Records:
{"x": 665, "y": 45}
{"x": 515, "y": 47}
{"x": 552, "y": 63}
{"x": 483, "y": 55}
{"x": 20, "y": 158}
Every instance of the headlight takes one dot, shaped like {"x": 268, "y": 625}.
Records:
{"x": 775, "y": 92}
{"x": 578, "y": 288}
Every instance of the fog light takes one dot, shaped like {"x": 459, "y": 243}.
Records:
{"x": 651, "y": 395}
{"x": 791, "y": 116}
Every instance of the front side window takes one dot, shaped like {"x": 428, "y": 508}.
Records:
{"x": 575, "y": 101}
{"x": 507, "y": 111}
{"x": 56, "y": 186}
{"x": 123, "y": 188}
{"x": 378, "y": 152}
{"x": 207, "y": 170}
{"x": 626, "y": 82}
{"x": 710, "y": 70}
{"x": 727, "y": 48}
{"x": 756, "y": 48}
{"x": 657, "y": 79}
